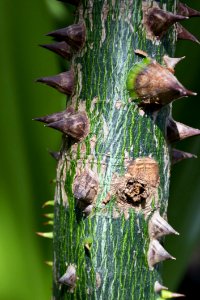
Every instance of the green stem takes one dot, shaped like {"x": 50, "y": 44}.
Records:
{"x": 116, "y": 265}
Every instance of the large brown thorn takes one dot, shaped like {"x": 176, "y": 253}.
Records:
{"x": 184, "y": 34}
{"x": 187, "y": 11}
{"x": 74, "y": 35}
{"x": 63, "y": 82}
{"x": 60, "y": 48}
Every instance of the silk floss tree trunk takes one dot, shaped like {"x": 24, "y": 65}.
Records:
{"x": 110, "y": 207}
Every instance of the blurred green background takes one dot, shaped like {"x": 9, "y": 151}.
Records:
{"x": 27, "y": 171}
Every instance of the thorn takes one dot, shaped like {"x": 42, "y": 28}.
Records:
{"x": 187, "y": 11}
{"x": 56, "y": 116}
{"x": 48, "y": 235}
{"x": 141, "y": 53}
{"x": 87, "y": 211}
{"x": 48, "y": 223}
{"x": 63, "y": 82}
{"x": 159, "y": 287}
{"x": 76, "y": 125}
{"x": 48, "y": 203}
{"x": 88, "y": 244}
{"x": 74, "y": 35}
{"x": 49, "y": 263}
{"x": 178, "y": 155}
{"x": 154, "y": 85}
{"x": 55, "y": 155}
{"x": 184, "y": 34}
{"x": 177, "y": 131}
{"x": 157, "y": 253}
{"x": 159, "y": 21}
{"x": 51, "y": 118}
{"x": 171, "y": 62}
{"x": 60, "y": 48}
{"x": 49, "y": 216}
{"x": 69, "y": 278}
{"x": 85, "y": 187}
{"x": 169, "y": 295}
{"x": 158, "y": 227}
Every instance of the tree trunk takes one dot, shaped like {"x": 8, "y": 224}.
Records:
{"x": 106, "y": 242}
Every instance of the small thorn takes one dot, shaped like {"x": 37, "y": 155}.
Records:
{"x": 49, "y": 263}
{"x": 55, "y": 155}
{"x": 158, "y": 227}
{"x": 157, "y": 253}
{"x": 48, "y": 235}
{"x": 184, "y": 34}
{"x": 74, "y": 35}
{"x": 87, "y": 211}
{"x": 171, "y": 62}
{"x": 69, "y": 278}
{"x": 88, "y": 243}
{"x": 48, "y": 223}
{"x": 169, "y": 295}
{"x": 159, "y": 21}
{"x": 49, "y": 216}
{"x": 140, "y": 53}
{"x": 187, "y": 11}
{"x": 85, "y": 187}
{"x": 48, "y": 203}
{"x": 60, "y": 48}
{"x": 178, "y": 155}
{"x": 177, "y": 131}
{"x": 63, "y": 82}
{"x": 190, "y": 93}
{"x": 159, "y": 287}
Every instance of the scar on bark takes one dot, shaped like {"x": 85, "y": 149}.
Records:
{"x": 138, "y": 187}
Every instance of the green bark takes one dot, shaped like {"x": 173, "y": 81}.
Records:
{"x": 118, "y": 131}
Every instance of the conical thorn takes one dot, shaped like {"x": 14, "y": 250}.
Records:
{"x": 85, "y": 187}
{"x": 157, "y": 253}
{"x": 49, "y": 263}
{"x": 158, "y": 287}
{"x": 170, "y": 295}
{"x": 158, "y": 227}
{"x": 184, "y": 34}
{"x": 49, "y": 216}
{"x": 48, "y": 235}
{"x": 187, "y": 11}
{"x": 69, "y": 278}
{"x": 76, "y": 125}
{"x": 177, "y": 131}
{"x": 56, "y": 116}
{"x": 171, "y": 62}
{"x": 60, "y": 48}
{"x": 55, "y": 155}
{"x": 154, "y": 85}
{"x": 158, "y": 21}
{"x": 178, "y": 155}
{"x": 48, "y": 223}
{"x": 63, "y": 82}
{"x": 48, "y": 203}
{"x": 74, "y": 35}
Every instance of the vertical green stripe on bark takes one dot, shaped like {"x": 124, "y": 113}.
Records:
{"x": 119, "y": 132}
